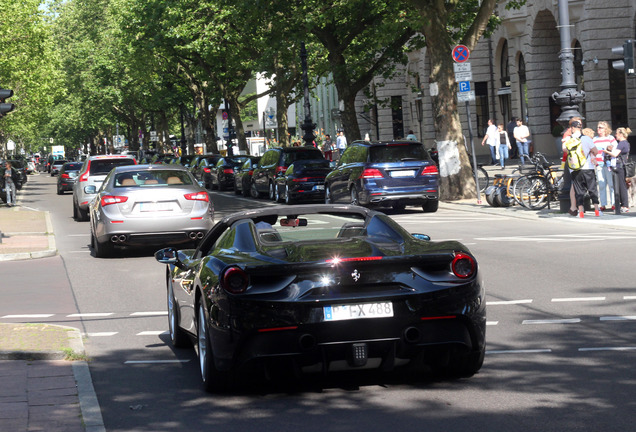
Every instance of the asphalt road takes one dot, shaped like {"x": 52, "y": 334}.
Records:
{"x": 561, "y": 335}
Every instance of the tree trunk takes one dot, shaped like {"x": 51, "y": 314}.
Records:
{"x": 282, "y": 104}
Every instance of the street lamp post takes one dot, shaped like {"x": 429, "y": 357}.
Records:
{"x": 569, "y": 97}
{"x": 308, "y": 125}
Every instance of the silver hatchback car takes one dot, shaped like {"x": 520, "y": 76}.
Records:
{"x": 149, "y": 205}
{"x": 92, "y": 173}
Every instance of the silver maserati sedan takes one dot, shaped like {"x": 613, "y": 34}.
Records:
{"x": 148, "y": 205}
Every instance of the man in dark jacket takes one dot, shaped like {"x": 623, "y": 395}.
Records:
{"x": 510, "y": 129}
{"x": 9, "y": 176}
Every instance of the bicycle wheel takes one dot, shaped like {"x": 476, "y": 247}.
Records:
{"x": 534, "y": 193}
{"x": 522, "y": 184}
{"x": 482, "y": 177}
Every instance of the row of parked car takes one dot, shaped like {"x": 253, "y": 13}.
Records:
{"x": 393, "y": 173}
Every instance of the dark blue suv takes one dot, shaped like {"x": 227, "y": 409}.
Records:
{"x": 391, "y": 173}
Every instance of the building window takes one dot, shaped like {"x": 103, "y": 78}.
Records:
{"x": 481, "y": 107}
{"x": 396, "y": 115}
{"x": 618, "y": 99}
{"x": 523, "y": 90}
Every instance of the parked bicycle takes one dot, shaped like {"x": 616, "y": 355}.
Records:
{"x": 539, "y": 185}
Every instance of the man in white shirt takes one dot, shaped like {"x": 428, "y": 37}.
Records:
{"x": 491, "y": 139}
{"x": 522, "y": 137}
{"x": 341, "y": 142}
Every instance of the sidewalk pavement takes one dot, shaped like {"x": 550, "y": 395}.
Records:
{"x": 46, "y": 382}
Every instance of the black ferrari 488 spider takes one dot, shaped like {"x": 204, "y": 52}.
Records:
{"x": 320, "y": 288}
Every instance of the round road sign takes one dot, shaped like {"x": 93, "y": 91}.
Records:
{"x": 461, "y": 53}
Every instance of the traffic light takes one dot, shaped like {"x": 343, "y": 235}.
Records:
{"x": 5, "y": 107}
{"x": 627, "y": 64}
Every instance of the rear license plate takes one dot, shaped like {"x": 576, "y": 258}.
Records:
{"x": 403, "y": 173}
{"x": 154, "y": 207}
{"x": 358, "y": 311}
{"x": 319, "y": 187}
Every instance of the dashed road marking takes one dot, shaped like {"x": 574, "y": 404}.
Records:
{"x": 152, "y": 333}
{"x": 553, "y": 321}
{"x": 28, "y": 316}
{"x": 90, "y": 315}
{"x": 155, "y": 361}
{"x": 608, "y": 349}
{"x": 101, "y": 334}
{"x": 578, "y": 299}
{"x": 618, "y": 318}
{"x": 520, "y": 351}
{"x": 149, "y": 313}
{"x": 508, "y": 302}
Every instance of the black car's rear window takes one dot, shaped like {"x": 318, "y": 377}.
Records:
{"x": 104, "y": 166}
{"x": 302, "y": 155}
{"x": 397, "y": 152}
{"x": 72, "y": 166}
{"x": 236, "y": 160}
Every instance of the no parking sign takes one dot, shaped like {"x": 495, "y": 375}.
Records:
{"x": 461, "y": 53}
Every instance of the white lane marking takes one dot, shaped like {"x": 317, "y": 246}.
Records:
{"x": 152, "y": 333}
{"x": 609, "y": 349}
{"x": 101, "y": 334}
{"x": 149, "y": 313}
{"x": 508, "y": 302}
{"x": 557, "y": 238}
{"x": 29, "y": 316}
{"x": 618, "y": 318}
{"x": 82, "y": 251}
{"x": 154, "y": 361}
{"x": 522, "y": 351}
{"x": 492, "y": 323}
{"x": 629, "y": 297}
{"x": 89, "y": 315}
{"x": 578, "y": 299}
{"x": 553, "y": 321}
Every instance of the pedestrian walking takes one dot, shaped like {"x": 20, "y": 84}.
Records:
{"x": 504, "y": 145}
{"x": 605, "y": 143}
{"x": 341, "y": 142}
{"x": 522, "y": 138}
{"x": 621, "y": 154}
{"x": 583, "y": 177}
{"x": 9, "y": 185}
{"x": 492, "y": 139}
{"x": 327, "y": 147}
{"x": 510, "y": 129}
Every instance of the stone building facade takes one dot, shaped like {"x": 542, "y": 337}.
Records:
{"x": 515, "y": 72}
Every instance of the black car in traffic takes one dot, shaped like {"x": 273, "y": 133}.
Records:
{"x": 68, "y": 176}
{"x": 304, "y": 180}
{"x": 274, "y": 164}
{"x": 222, "y": 175}
{"x": 243, "y": 176}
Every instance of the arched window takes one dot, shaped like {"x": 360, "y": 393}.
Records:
{"x": 523, "y": 90}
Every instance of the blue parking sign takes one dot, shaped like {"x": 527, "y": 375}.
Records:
{"x": 464, "y": 86}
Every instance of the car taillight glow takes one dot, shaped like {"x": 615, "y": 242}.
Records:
{"x": 207, "y": 170}
{"x": 65, "y": 176}
{"x": 234, "y": 280}
{"x": 197, "y": 196}
{"x": 84, "y": 177}
{"x": 341, "y": 260}
{"x": 112, "y": 199}
{"x": 430, "y": 169}
{"x": 250, "y": 172}
{"x": 281, "y": 169}
{"x": 228, "y": 171}
{"x": 371, "y": 173}
{"x": 463, "y": 265}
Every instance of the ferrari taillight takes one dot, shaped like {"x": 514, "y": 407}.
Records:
{"x": 111, "y": 199}
{"x": 463, "y": 265}
{"x": 234, "y": 280}
{"x": 197, "y": 196}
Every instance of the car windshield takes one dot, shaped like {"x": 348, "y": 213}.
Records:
{"x": 397, "y": 153}
{"x": 144, "y": 178}
{"x": 104, "y": 166}
{"x": 313, "y": 227}
{"x": 236, "y": 160}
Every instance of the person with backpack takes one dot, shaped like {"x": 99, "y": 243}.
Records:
{"x": 581, "y": 154}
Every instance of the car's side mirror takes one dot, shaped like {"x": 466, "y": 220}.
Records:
{"x": 421, "y": 236}
{"x": 333, "y": 164}
{"x": 90, "y": 189}
{"x": 169, "y": 256}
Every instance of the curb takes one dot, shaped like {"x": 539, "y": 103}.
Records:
{"x": 51, "y": 251}
{"x": 89, "y": 405}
